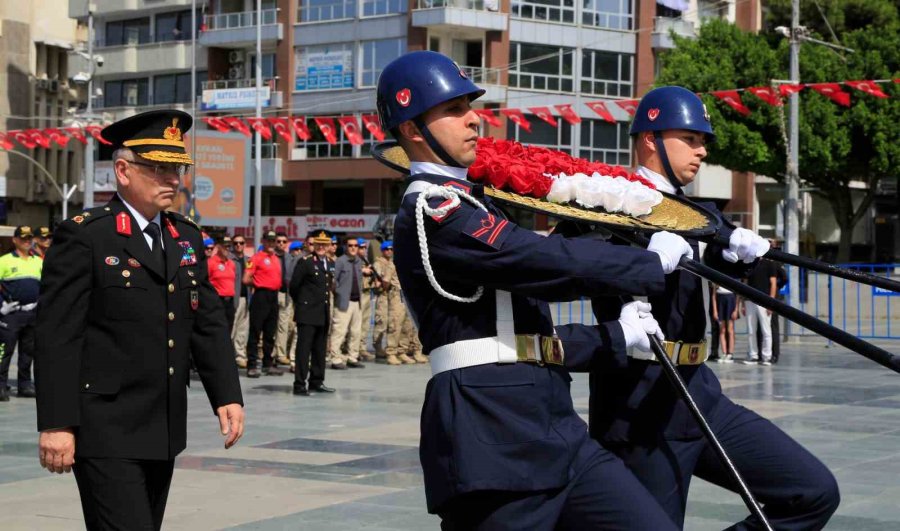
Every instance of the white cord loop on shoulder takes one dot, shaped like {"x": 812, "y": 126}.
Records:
{"x": 422, "y": 208}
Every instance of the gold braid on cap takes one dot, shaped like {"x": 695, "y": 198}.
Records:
{"x": 167, "y": 156}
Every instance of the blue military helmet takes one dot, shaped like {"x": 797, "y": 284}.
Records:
{"x": 387, "y": 244}
{"x": 666, "y": 108}
{"x": 414, "y": 83}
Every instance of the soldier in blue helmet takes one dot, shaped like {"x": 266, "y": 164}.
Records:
{"x": 501, "y": 444}
{"x": 634, "y": 410}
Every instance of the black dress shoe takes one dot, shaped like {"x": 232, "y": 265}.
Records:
{"x": 301, "y": 390}
{"x": 338, "y": 366}
{"x": 253, "y": 373}
{"x": 355, "y": 365}
{"x": 321, "y": 388}
{"x": 26, "y": 392}
{"x": 272, "y": 371}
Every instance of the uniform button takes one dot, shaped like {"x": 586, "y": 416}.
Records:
{"x": 171, "y": 288}
{"x": 171, "y": 316}
{"x": 171, "y": 371}
{"x": 128, "y": 284}
{"x": 194, "y": 282}
{"x": 171, "y": 343}
{"x": 87, "y": 386}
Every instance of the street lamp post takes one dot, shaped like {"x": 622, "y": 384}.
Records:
{"x": 89, "y": 147}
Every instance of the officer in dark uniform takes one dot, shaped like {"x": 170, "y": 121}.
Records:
{"x": 125, "y": 302}
{"x": 633, "y": 409}
{"x": 502, "y": 446}
{"x": 309, "y": 290}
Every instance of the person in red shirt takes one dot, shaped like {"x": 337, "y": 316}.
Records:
{"x": 222, "y": 275}
{"x": 263, "y": 273}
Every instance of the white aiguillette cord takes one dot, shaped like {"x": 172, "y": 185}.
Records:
{"x": 428, "y": 191}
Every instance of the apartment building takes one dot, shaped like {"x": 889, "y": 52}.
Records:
{"x": 35, "y": 93}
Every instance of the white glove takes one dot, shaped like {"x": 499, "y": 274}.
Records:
{"x": 29, "y": 307}
{"x": 746, "y": 246}
{"x": 636, "y": 322}
{"x": 9, "y": 307}
{"x": 670, "y": 248}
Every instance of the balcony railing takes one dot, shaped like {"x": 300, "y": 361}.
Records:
{"x": 678, "y": 25}
{"x": 482, "y": 76}
{"x": 219, "y": 84}
{"x": 461, "y": 4}
{"x": 243, "y": 19}
{"x": 562, "y": 11}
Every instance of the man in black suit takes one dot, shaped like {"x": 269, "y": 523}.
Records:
{"x": 309, "y": 290}
{"x": 125, "y": 303}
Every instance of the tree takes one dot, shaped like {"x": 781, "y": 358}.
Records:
{"x": 837, "y": 144}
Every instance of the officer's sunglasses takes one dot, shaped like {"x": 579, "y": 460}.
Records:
{"x": 163, "y": 170}
{"x": 239, "y": 242}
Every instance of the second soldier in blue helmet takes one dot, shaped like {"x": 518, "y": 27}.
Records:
{"x": 634, "y": 410}
{"x": 501, "y": 444}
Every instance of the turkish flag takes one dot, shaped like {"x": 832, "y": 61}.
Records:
{"x": 261, "y": 126}
{"x": 517, "y": 118}
{"x": 94, "y": 131}
{"x": 629, "y": 106}
{"x": 833, "y": 92}
{"x": 301, "y": 128}
{"x": 326, "y": 126}
{"x": 733, "y": 100}
{"x": 23, "y": 138}
{"x": 544, "y": 114}
{"x": 237, "y": 124}
{"x": 76, "y": 133}
{"x": 767, "y": 94}
{"x": 37, "y": 136}
{"x": 370, "y": 121}
{"x": 283, "y": 128}
{"x": 567, "y": 114}
{"x": 787, "y": 89}
{"x": 601, "y": 109}
{"x": 217, "y": 123}
{"x": 488, "y": 116}
{"x": 57, "y": 136}
{"x": 869, "y": 87}
{"x": 5, "y": 143}
{"x": 351, "y": 129}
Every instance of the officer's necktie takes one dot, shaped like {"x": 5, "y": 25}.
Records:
{"x": 156, "y": 249}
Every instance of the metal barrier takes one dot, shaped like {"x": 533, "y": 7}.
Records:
{"x": 859, "y": 309}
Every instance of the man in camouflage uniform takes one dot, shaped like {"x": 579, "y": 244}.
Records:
{"x": 389, "y": 310}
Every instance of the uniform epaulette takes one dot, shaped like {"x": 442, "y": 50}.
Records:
{"x": 187, "y": 219}
{"x": 91, "y": 215}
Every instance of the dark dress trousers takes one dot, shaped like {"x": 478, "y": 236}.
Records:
{"x": 635, "y": 411}
{"x": 115, "y": 333}
{"x": 309, "y": 290}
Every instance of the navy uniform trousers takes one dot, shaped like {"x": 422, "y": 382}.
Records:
{"x": 17, "y": 329}
{"x": 636, "y": 413}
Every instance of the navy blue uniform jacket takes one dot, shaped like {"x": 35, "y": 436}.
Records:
{"x": 505, "y": 427}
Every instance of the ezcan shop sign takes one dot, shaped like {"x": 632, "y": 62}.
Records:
{"x": 297, "y": 227}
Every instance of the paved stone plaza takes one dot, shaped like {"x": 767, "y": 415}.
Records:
{"x": 349, "y": 461}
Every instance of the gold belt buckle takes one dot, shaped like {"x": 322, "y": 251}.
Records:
{"x": 552, "y": 350}
{"x": 525, "y": 351}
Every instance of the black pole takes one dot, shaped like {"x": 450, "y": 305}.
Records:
{"x": 876, "y": 354}
{"x": 682, "y": 390}
{"x": 823, "y": 267}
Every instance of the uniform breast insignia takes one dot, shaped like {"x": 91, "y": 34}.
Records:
{"x": 487, "y": 228}
{"x": 133, "y": 262}
{"x": 191, "y": 273}
{"x": 126, "y": 273}
{"x": 195, "y": 299}
{"x": 123, "y": 224}
{"x": 188, "y": 256}
{"x": 78, "y": 219}
{"x": 112, "y": 260}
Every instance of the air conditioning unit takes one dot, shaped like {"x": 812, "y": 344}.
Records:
{"x": 53, "y": 86}
{"x": 236, "y": 56}
{"x": 42, "y": 83}
{"x": 235, "y": 72}
{"x": 298, "y": 153}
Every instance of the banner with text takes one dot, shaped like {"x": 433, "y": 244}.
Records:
{"x": 222, "y": 188}
{"x": 297, "y": 227}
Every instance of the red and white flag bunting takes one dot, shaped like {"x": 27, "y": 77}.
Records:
{"x": 517, "y": 118}
{"x": 832, "y": 91}
{"x": 351, "y": 130}
{"x": 261, "y": 126}
{"x": 371, "y": 122}
{"x": 326, "y": 126}
{"x": 76, "y": 133}
{"x": 94, "y": 131}
{"x": 237, "y": 124}
{"x": 217, "y": 123}
{"x": 5, "y": 142}
{"x": 869, "y": 87}
{"x": 567, "y": 114}
{"x": 629, "y": 106}
{"x": 786, "y": 89}
{"x": 300, "y": 127}
{"x": 733, "y": 100}
{"x": 767, "y": 94}
{"x": 57, "y": 136}
{"x": 283, "y": 128}
{"x": 544, "y": 114}
{"x": 602, "y": 110}
{"x": 488, "y": 116}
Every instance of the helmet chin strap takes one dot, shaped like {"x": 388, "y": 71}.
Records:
{"x": 664, "y": 158}
{"x": 434, "y": 144}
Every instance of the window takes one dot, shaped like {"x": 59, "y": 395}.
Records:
{"x": 606, "y": 73}
{"x": 545, "y": 10}
{"x": 318, "y": 10}
{"x": 602, "y": 141}
{"x": 174, "y": 26}
{"x": 128, "y": 32}
{"x": 539, "y": 67}
{"x": 543, "y": 134}
{"x": 374, "y": 8}
{"x": 126, "y": 93}
{"x": 319, "y": 148}
{"x": 612, "y": 14}
{"x": 376, "y": 55}
{"x": 328, "y": 67}
{"x": 268, "y": 66}
{"x": 174, "y": 88}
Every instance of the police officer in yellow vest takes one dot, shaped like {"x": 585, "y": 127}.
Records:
{"x": 20, "y": 282}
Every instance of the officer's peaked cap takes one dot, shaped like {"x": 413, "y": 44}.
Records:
{"x": 153, "y": 135}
